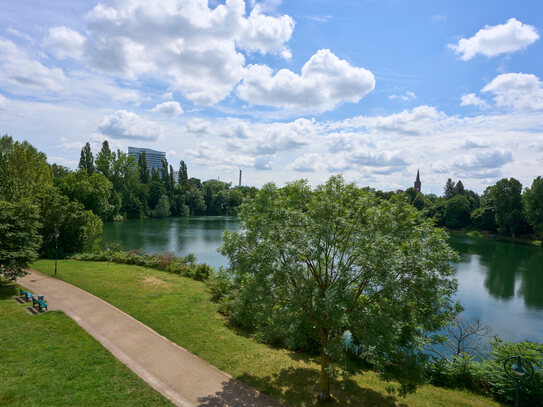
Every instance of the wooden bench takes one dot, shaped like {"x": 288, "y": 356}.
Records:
{"x": 27, "y": 294}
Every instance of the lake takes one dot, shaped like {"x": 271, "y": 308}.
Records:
{"x": 500, "y": 283}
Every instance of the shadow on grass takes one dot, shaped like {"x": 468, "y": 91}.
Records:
{"x": 297, "y": 386}
{"x": 8, "y": 290}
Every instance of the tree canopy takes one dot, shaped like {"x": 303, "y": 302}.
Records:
{"x": 335, "y": 261}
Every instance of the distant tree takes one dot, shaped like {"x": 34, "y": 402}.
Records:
{"x": 105, "y": 160}
{"x": 195, "y": 200}
{"x": 194, "y": 183}
{"x": 178, "y": 206}
{"x": 484, "y": 217}
{"x": 508, "y": 205}
{"x": 183, "y": 174}
{"x": 24, "y": 171}
{"x": 473, "y": 198}
{"x": 235, "y": 199}
{"x": 19, "y": 237}
{"x": 59, "y": 171}
{"x": 171, "y": 182}
{"x": 459, "y": 188}
{"x": 335, "y": 261}
{"x": 457, "y": 212}
{"x": 144, "y": 171}
{"x": 449, "y": 190}
{"x": 533, "y": 199}
{"x": 156, "y": 190}
{"x": 86, "y": 161}
{"x": 162, "y": 210}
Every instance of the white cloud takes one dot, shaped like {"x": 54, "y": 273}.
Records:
{"x": 266, "y": 34}
{"x": 169, "y": 109}
{"x": 22, "y": 74}
{"x": 195, "y": 48}
{"x": 438, "y": 18}
{"x": 128, "y": 125}
{"x": 405, "y": 98}
{"x": 307, "y": 163}
{"x": 517, "y": 90}
{"x": 325, "y": 81}
{"x": 472, "y": 100}
{"x": 482, "y": 163}
{"x": 213, "y": 156}
{"x": 495, "y": 40}
{"x": 65, "y": 42}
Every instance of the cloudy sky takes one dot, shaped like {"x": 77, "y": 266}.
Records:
{"x": 283, "y": 89}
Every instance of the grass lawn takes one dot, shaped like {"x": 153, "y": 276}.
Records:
{"x": 48, "y": 360}
{"x": 180, "y": 309}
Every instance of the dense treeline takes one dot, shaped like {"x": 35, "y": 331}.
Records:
{"x": 35, "y": 216}
{"x": 504, "y": 207}
{"x": 115, "y": 187}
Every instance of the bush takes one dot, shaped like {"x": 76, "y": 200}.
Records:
{"x": 489, "y": 377}
{"x": 184, "y": 266}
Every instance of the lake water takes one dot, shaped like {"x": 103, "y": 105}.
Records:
{"x": 500, "y": 283}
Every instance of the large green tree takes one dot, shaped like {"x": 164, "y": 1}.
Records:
{"x": 93, "y": 191}
{"x": 19, "y": 237}
{"x": 348, "y": 263}
{"x": 457, "y": 212}
{"x": 24, "y": 172}
{"x": 105, "y": 159}
{"x": 507, "y": 197}
{"x": 533, "y": 199}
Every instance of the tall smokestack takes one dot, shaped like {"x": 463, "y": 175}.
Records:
{"x": 239, "y": 177}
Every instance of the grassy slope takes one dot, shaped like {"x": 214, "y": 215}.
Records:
{"x": 180, "y": 309}
{"x": 48, "y": 360}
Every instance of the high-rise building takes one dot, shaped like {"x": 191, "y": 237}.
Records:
{"x": 154, "y": 158}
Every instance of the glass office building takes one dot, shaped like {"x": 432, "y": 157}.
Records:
{"x": 154, "y": 158}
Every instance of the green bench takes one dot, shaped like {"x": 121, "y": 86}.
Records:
{"x": 39, "y": 301}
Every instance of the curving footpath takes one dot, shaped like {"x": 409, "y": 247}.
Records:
{"x": 180, "y": 376}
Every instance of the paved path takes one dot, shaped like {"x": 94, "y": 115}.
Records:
{"x": 179, "y": 375}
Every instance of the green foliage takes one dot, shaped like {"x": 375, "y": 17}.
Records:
{"x": 449, "y": 190}
{"x": 93, "y": 191}
{"x": 19, "y": 237}
{"x": 86, "y": 161}
{"x": 533, "y": 199}
{"x": 59, "y": 171}
{"x": 79, "y": 230}
{"x": 507, "y": 198}
{"x": 195, "y": 201}
{"x": 24, "y": 172}
{"x": 104, "y": 160}
{"x": 183, "y": 174}
{"x": 162, "y": 209}
{"x": 184, "y": 266}
{"x": 457, "y": 212}
{"x": 488, "y": 376}
{"x": 313, "y": 264}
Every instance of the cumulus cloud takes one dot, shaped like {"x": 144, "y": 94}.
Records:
{"x": 169, "y": 109}
{"x": 482, "y": 163}
{"x": 25, "y": 75}
{"x": 472, "y": 100}
{"x": 495, "y": 40}
{"x": 213, "y": 156}
{"x": 197, "y": 49}
{"x": 405, "y": 98}
{"x": 65, "y": 42}
{"x": 517, "y": 91}
{"x": 307, "y": 163}
{"x": 325, "y": 82}
{"x": 128, "y": 125}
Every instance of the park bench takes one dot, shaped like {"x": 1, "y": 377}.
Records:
{"x": 41, "y": 304}
{"x": 27, "y": 294}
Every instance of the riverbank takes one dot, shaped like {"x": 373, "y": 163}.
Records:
{"x": 181, "y": 309}
{"x": 476, "y": 233}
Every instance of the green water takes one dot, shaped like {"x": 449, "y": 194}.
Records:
{"x": 500, "y": 283}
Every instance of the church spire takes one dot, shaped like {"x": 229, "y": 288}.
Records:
{"x": 417, "y": 182}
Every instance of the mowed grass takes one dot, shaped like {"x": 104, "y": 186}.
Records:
{"x": 180, "y": 309}
{"x": 48, "y": 360}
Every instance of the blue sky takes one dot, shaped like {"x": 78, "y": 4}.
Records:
{"x": 283, "y": 89}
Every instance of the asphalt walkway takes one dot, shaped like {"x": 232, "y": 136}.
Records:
{"x": 176, "y": 373}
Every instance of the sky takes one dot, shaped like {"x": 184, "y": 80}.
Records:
{"x": 283, "y": 90}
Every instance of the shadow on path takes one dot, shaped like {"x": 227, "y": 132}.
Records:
{"x": 235, "y": 393}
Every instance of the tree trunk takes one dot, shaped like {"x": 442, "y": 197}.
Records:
{"x": 324, "y": 393}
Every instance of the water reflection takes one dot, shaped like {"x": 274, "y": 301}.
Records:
{"x": 498, "y": 282}
{"x": 502, "y": 284}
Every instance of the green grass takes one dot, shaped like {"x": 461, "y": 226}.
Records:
{"x": 180, "y": 309}
{"x": 48, "y": 360}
